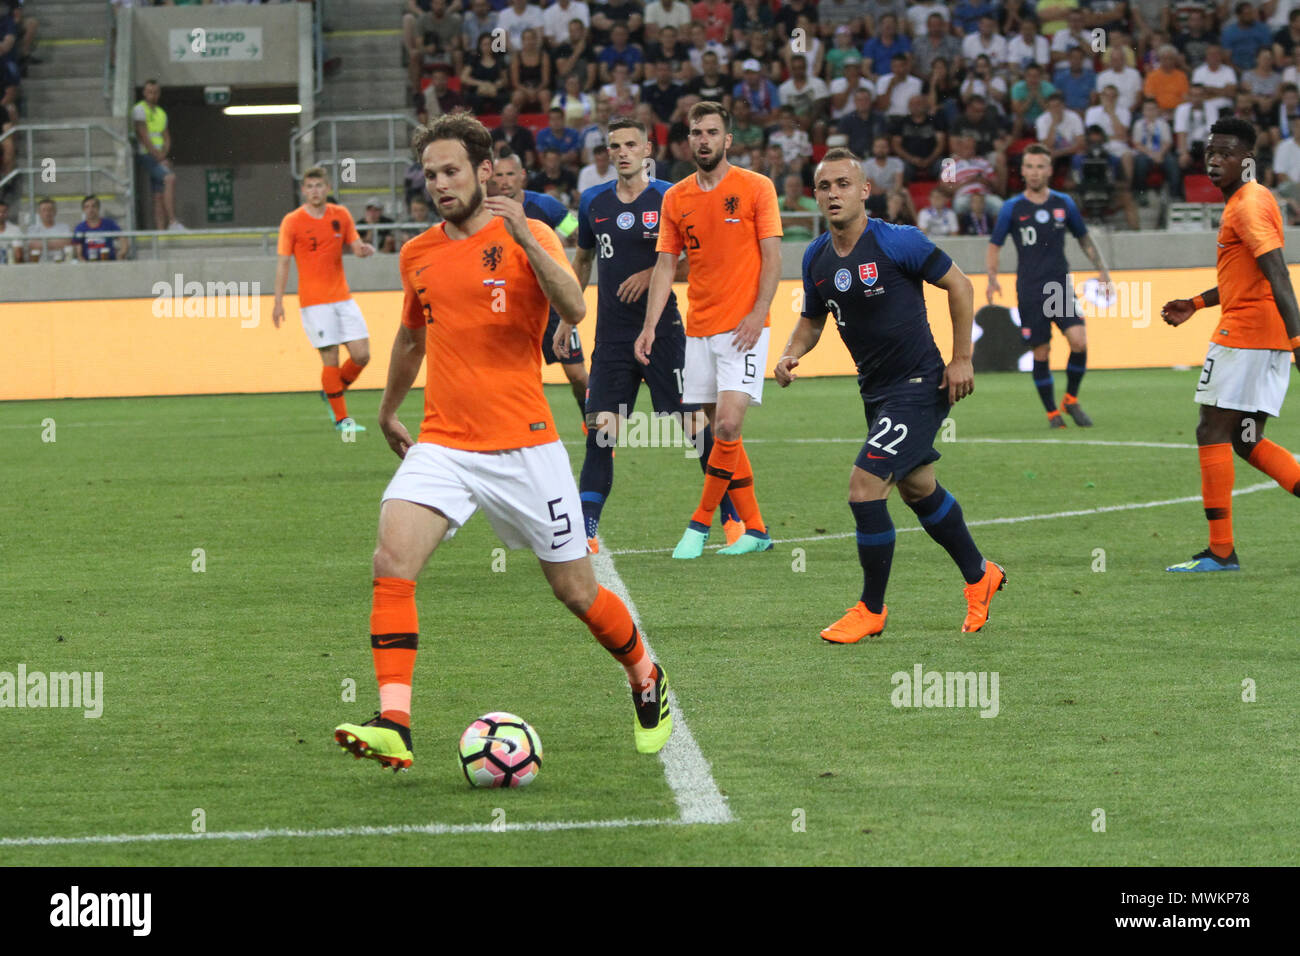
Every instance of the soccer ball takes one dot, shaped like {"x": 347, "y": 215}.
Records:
{"x": 500, "y": 750}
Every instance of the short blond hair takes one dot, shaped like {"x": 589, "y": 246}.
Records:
{"x": 316, "y": 172}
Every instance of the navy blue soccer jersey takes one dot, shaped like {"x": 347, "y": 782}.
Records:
{"x": 624, "y": 236}
{"x": 1038, "y": 231}
{"x": 875, "y": 296}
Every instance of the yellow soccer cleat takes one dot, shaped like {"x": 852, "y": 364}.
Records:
{"x": 380, "y": 743}
{"x": 653, "y": 724}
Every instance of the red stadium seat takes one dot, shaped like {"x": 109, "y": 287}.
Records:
{"x": 661, "y": 134}
{"x": 1198, "y": 188}
{"x": 920, "y": 190}
{"x": 818, "y": 152}
{"x": 534, "y": 122}
{"x": 1155, "y": 179}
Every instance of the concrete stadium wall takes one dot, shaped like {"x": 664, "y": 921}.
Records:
{"x": 278, "y": 64}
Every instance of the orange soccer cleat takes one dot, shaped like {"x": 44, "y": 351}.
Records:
{"x": 980, "y": 594}
{"x": 856, "y": 624}
{"x": 733, "y": 530}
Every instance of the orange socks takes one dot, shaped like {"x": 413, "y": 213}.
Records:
{"x": 1278, "y": 463}
{"x": 1216, "y": 493}
{"x": 349, "y": 372}
{"x": 394, "y": 637}
{"x": 741, "y": 490}
{"x": 723, "y": 462}
{"x": 331, "y": 379}
{"x": 610, "y": 622}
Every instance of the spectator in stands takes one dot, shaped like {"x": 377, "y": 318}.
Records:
{"x": 510, "y": 137}
{"x": 883, "y": 171}
{"x": 575, "y": 57}
{"x": 1114, "y": 121}
{"x": 748, "y": 15}
{"x": 1053, "y": 16}
{"x": 863, "y": 126}
{"x": 1123, "y": 77}
{"x": 621, "y": 51}
{"x": 775, "y": 165}
{"x": 937, "y": 43}
{"x": 842, "y": 48}
{"x": 1286, "y": 174}
{"x": 1218, "y": 77}
{"x": 896, "y": 90}
{"x": 1245, "y": 36}
{"x": 758, "y": 47}
{"x": 1106, "y": 15}
{"x": 1167, "y": 84}
{"x": 1286, "y": 39}
{"x": 1103, "y": 177}
{"x": 484, "y": 77}
{"x": 1076, "y": 80}
{"x": 788, "y": 14}
{"x": 943, "y": 89}
{"x": 480, "y": 21}
{"x": 701, "y": 44}
{"x": 919, "y": 139}
{"x": 972, "y": 174}
{"x": 597, "y": 131}
{"x": 383, "y": 241}
{"x": 1029, "y": 99}
{"x": 899, "y": 209}
{"x": 622, "y": 93}
{"x": 560, "y": 138}
{"x": 982, "y": 84}
{"x": 88, "y": 244}
{"x": 844, "y": 89}
{"x": 966, "y": 16}
{"x": 759, "y": 90}
{"x": 669, "y": 46}
{"x": 1192, "y": 122}
{"x": 557, "y": 17}
{"x": 605, "y": 15}
{"x": 801, "y": 226}
{"x": 153, "y": 151}
{"x": 11, "y": 237}
{"x": 989, "y": 132}
{"x": 711, "y": 83}
{"x": 48, "y": 239}
{"x": 10, "y": 72}
{"x": 518, "y": 16}
{"x": 745, "y": 133}
{"x": 427, "y": 29}
{"x": 26, "y": 28}
{"x": 419, "y": 212}
{"x": 1153, "y": 143}
{"x": 918, "y": 14}
{"x": 1148, "y": 17}
{"x": 796, "y": 148}
{"x": 1285, "y": 116}
{"x": 530, "y": 73}
{"x": 937, "y": 219}
{"x": 576, "y": 105}
{"x": 806, "y": 96}
{"x": 1195, "y": 40}
{"x": 662, "y": 93}
{"x": 1263, "y": 83}
{"x": 1028, "y": 46}
{"x": 984, "y": 40}
{"x": 815, "y": 52}
{"x": 715, "y": 18}
{"x": 679, "y": 151}
{"x": 554, "y": 178}
{"x": 1074, "y": 35}
{"x": 668, "y": 13}
{"x": 598, "y": 171}
{"x": 440, "y": 98}
{"x": 889, "y": 42}
{"x": 1061, "y": 131}
{"x": 975, "y": 221}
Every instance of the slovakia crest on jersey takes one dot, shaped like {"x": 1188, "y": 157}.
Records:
{"x": 868, "y": 273}
{"x": 625, "y": 220}
{"x": 843, "y": 279}
{"x": 650, "y": 218}
{"x": 1059, "y": 214}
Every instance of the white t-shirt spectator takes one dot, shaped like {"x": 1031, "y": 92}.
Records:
{"x": 794, "y": 145}
{"x": 882, "y": 175}
{"x": 841, "y": 85}
{"x": 918, "y": 13}
{"x": 814, "y": 89}
{"x": 11, "y": 238}
{"x": 1195, "y": 125}
{"x": 937, "y": 222}
{"x": 1214, "y": 78}
{"x": 1286, "y": 160}
{"x": 60, "y": 230}
{"x": 588, "y": 176}
{"x": 555, "y": 20}
{"x": 678, "y": 15}
{"x": 516, "y": 23}
{"x": 972, "y": 45}
{"x": 1116, "y": 139}
{"x": 712, "y": 46}
{"x": 1065, "y": 41}
{"x": 994, "y": 89}
{"x": 1281, "y": 15}
{"x": 1128, "y": 81}
{"x": 899, "y": 92}
{"x": 1020, "y": 53}
{"x": 1070, "y": 127}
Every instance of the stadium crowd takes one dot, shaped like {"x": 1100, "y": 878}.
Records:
{"x": 939, "y": 98}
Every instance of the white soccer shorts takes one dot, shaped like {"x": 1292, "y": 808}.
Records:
{"x": 1248, "y": 380}
{"x": 332, "y": 323}
{"x": 528, "y": 494}
{"x": 714, "y": 365}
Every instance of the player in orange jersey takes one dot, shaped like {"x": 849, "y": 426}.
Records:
{"x": 1248, "y": 365}
{"x": 728, "y": 220}
{"x": 478, "y": 289}
{"x": 313, "y": 235}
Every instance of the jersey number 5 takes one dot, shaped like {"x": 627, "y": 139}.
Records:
{"x": 691, "y": 241}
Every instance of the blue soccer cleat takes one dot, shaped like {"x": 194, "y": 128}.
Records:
{"x": 750, "y": 542}
{"x": 691, "y": 546}
{"x": 1208, "y": 561}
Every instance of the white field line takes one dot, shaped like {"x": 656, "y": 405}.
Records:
{"x": 687, "y": 771}
{"x": 427, "y": 829}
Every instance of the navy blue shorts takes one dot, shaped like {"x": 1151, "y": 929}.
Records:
{"x": 616, "y": 375}
{"x": 548, "y": 344}
{"x": 1036, "y": 324}
{"x": 901, "y": 425}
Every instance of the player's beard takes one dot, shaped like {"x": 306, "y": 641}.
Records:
{"x": 710, "y": 164}
{"x": 471, "y": 207}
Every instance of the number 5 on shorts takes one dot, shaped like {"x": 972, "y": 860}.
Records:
{"x": 568, "y": 525}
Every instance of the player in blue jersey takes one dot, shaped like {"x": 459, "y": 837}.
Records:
{"x": 618, "y": 223}
{"x": 508, "y": 180}
{"x": 867, "y": 274}
{"x": 1037, "y": 220}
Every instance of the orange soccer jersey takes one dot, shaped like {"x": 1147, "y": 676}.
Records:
{"x": 485, "y": 314}
{"x": 720, "y": 230}
{"x": 317, "y": 247}
{"x": 1252, "y": 226}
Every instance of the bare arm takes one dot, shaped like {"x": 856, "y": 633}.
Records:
{"x": 959, "y": 375}
{"x": 1094, "y": 256}
{"x": 802, "y": 340}
{"x": 1273, "y": 265}
{"x": 582, "y": 260}
{"x": 403, "y": 366}
{"x": 769, "y": 275}
{"x": 281, "y": 277}
{"x": 557, "y": 282}
{"x": 661, "y": 283}
{"x": 991, "y": 255}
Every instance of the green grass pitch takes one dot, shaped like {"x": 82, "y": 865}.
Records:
{"x": 1119, "y": 689}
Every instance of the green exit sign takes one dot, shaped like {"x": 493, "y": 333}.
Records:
{"x": 216, "y": 95}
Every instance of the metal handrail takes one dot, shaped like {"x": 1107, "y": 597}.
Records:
{"x": 109, "y": 45}
{"x": 28, "y": 130}
{"x": 332, "y": 160}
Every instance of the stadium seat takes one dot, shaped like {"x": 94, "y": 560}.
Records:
{"x": 661, "y": 134}
{"x": 920, "y": 190}
{"x": 818, "y": 152}
{"x": 1155, "y": 179}
{"x": 1198, "y": 188}
{"x": 534, "y": 122}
